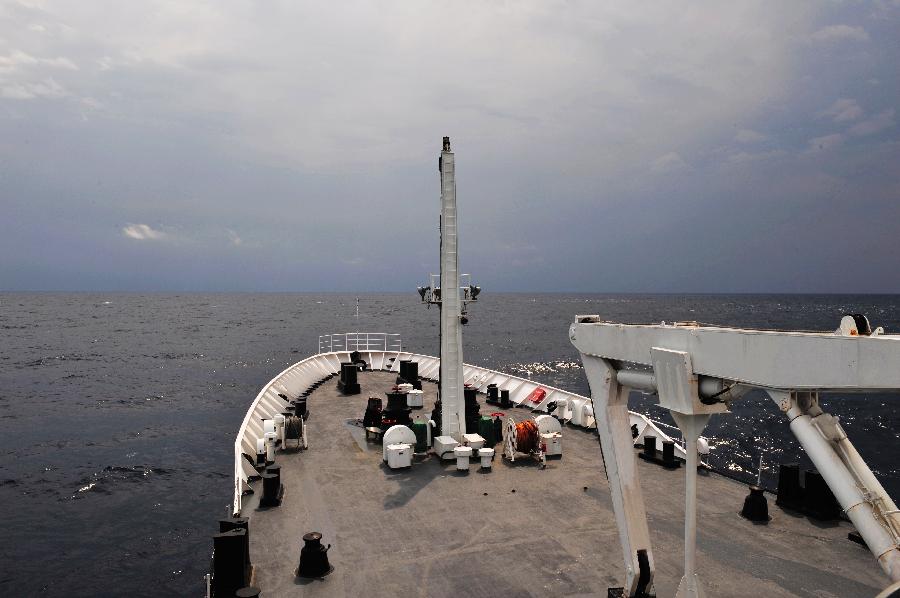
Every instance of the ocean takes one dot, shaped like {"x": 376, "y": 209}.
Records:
{"x": 118, "y": 411}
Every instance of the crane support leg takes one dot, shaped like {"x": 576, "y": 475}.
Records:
{"x": 854, "y": 485}
{"x": 610, "y": 402}
{"x": 691, "y": 426}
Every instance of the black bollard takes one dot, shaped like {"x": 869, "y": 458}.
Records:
{"x": 668, "y": 454}
{"x": 272, "y": 488}
{"x": 233, "y": 523}
{"x": 348, "y": 384}
{"x": 314, "y": 557}
{"x": 493, "y": 395}
{"x": 756, "y": 507}
{"x": 300, "y": 407}
{"x": 409, "y": 373}
{"x": 650, "y": 447}
{"x": 228, "y": 562}
{"x": 818, "y": 500}
{"x": 505, "y": 402}
{"x": 790, "y": 493}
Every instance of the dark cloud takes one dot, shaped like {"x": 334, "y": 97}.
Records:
{"x": 292, "y": 146}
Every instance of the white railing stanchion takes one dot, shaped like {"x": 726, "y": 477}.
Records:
{"x": 360, "y": 341}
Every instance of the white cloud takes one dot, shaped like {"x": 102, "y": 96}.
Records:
{"x": 18, "y": 59}
{"x": 876, "y": 124}
{"x": 24, "y": 76}
{"x": 834, "y": 33}
{"x": 668, "y": 163}
{"x": 748, "y": 157}
{"x": 142, "y": 232}
{"x": 360, "y": 87}
{"x": 825, "y": 143}
{"x": 48, "y": 88}
{"x": 842, "y": 110}
{"x": 749, "y": 136}
{"x": 234, "y": 238}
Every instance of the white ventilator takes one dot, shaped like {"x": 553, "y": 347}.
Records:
{"x": 697, "y": 371}
{"x": 562, "y": 410}
{"x": 279, "y": 428}
{"x": 270, "y": 447}
{"x": 577, "y": 411}
{"x": 486, "y": 455}
{"x": 462, "y": 454}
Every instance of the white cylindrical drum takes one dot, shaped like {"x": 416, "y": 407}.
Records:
{"x": 487, "y": 457}
{"x": 462, "y": 454}
{"x": 703, "y": 446}
{"x": 260, "y": 446}
{"x": 562, "y": 409}
{"x": 279, "y": 428}
{"x": 270, "y": 447}
{"x": 268, "y": 426}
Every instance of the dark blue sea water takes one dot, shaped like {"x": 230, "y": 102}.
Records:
{"x": 118, "y": 411}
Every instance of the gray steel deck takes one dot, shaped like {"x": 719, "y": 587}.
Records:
{"x": 519, "y": 530}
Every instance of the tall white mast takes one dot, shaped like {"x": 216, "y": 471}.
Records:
{"x": 453, "y": 421}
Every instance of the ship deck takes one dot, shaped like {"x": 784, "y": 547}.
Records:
{"x": 519, "y": 530}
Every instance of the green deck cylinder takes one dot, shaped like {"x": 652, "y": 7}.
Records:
{"x": 420, "y": 429}
{"x": 486, "y": 430}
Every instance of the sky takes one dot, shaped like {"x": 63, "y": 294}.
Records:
{"x": 621, "y": 146}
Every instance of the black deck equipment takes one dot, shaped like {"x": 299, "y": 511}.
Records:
{"x": 397, "y": 411}
{"x": 409, "y": 373}
{"x": 372, "y": 416}
{"x": 273, "y": 489}
{"x": 229, "y": 566}
{"x": 314, "y": 557}
{"x": 666, "y": 457}
{"x": 473, "y": 409}
{"x": 756, "y": 507}
{"x": 493, "y": 395}
{"x": 347, "y": 383}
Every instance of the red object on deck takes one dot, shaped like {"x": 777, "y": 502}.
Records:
{"x": 537, "y": 395}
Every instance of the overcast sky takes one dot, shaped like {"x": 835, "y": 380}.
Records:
{"x": 600, "y": 146}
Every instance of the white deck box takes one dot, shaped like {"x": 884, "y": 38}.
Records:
{"x": 443, "y": 447}
{"x": 475, "y": 441}
{"x": 399, "y": 456}
{"x": 415, "y": 399}
{"x": 553, "y": 440}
